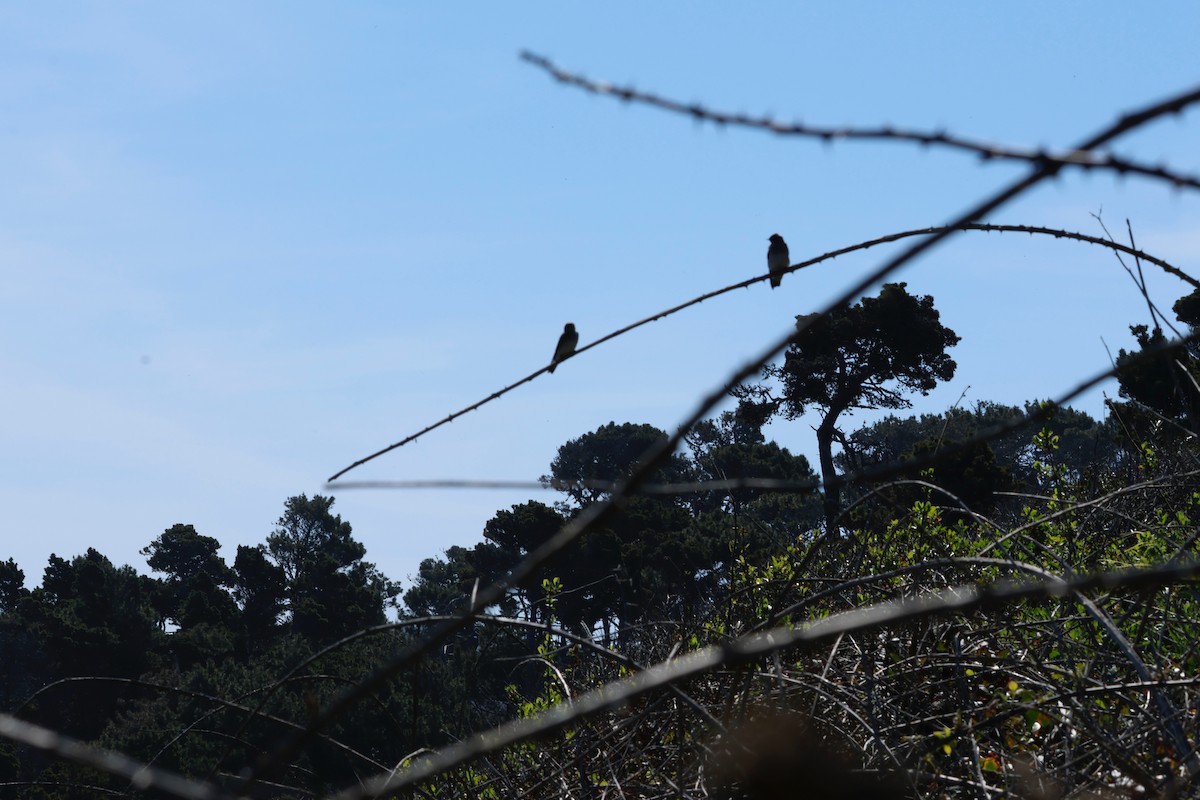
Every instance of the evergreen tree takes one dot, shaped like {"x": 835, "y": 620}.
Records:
{"x": 192, "y": 566}
{"x": 260, "y": 589}
{"x": 331, "y": 591}
{"x": 90, "y": 618}
{"x": 733, "y": 446}
{"x": 607, "y": 455}
{"x": 862, "y": 356}
{"x": 12, "y": 585}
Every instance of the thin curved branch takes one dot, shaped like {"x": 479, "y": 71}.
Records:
{"x": 220, "y": 703}
{"x": 1084, "y": 159}
{"x": 870, "y": 474}
{"x": 832, "y": 254}
{"x": 140, "y": 776}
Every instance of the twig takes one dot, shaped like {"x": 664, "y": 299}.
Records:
{"x": 893, "y": 237}
{"x": 141, "y": 777}
{"x": 1082, "y": 157}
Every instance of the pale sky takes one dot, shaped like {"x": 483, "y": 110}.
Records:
{"x": 244, "y": 245}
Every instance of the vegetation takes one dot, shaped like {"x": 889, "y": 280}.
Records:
{"x": 989, "y": 601}
{"x": 205, "y": 667}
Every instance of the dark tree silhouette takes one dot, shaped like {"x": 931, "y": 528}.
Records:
{"x": 260, "y": 589}
{"x": 861, "y": 356}
{"x": 442, "y": 584}
{"x": 191, "y": 564}
{"x": 1187, "y": 309}
{"x": 513, "y": 535}
{"x": 1161, "y": 389}
{"x": 1086, "y": 444}
{"x": 12, "y": 585}
{"x": 1165, "y": 384}
{"x": 331, "y": 591}
{"x": 973, "y": 474}
{"x": 732, "y": 446}
{"x": 608, "y": 454}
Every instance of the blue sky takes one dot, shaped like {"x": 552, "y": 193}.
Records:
{"x": 244, "y": 245}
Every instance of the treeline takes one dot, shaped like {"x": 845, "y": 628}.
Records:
{"x": 202, "y": 666}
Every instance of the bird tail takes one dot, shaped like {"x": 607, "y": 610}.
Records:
{"x": 776, "y": 280}
{"x": 553, "y": 364}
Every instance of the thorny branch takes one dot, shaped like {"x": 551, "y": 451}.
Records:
{"x": 869, "y": 474}
{"x": 893, "y": 237}
{"x": 1083, "y": 158}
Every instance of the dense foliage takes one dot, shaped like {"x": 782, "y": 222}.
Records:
{"x": 204, "y": 666}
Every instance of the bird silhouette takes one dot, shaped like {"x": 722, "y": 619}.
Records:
{"x": 566, "y": 345}
{"x": 777, "y": 259}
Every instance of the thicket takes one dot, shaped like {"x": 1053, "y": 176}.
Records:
{"x": 991, "y": 600}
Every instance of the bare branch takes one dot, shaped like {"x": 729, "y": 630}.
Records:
{"x": 141, "y": 777}
{"x": 893, "y": 237}
{"x": 1082, "y": 158}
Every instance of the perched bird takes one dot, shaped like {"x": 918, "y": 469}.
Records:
{"x": 777, "y": 258}
{"x": 566, "y": 345}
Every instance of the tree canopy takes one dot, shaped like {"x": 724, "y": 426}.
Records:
{"x": 332, "y": 592}
{"x": 663, "y": 574}
{"x": 868, "y": 355}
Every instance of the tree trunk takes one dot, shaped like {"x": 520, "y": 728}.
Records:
{"x": 833, "y": 492}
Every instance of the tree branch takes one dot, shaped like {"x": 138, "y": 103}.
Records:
{"x": 1082, "y": 158}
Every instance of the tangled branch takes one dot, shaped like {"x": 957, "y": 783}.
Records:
{"x": 656, "y": 456}
{"x": 960, "y": 600}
